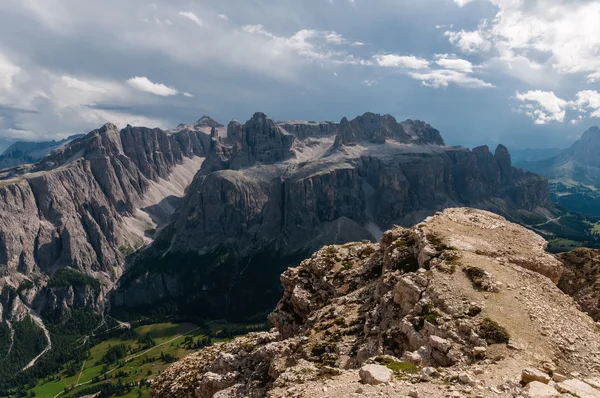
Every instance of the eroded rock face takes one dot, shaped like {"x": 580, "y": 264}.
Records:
{"x": 405, "y": 311}
{"x": 255, "y": 203}
{"x": 581, "y": 279}
{"x": 70, "y": 209}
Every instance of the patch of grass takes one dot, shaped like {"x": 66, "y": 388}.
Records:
{"x": 366, "y": 252}
{"x": 347, "y": 265}
{"x": 437, "y": 242}
{"x": 428, "y": 314}
{"x": 492, "y": 332}
{"x": 398, "y": 367}
{"x": 475, "y": 275}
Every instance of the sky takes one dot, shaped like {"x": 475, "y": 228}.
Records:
{"x": 525, "y": 73}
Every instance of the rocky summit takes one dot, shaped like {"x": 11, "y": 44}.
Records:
{"x": 464, "y": 304}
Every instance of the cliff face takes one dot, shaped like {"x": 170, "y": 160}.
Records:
{"x": 265, "y": 199}
{"x": 463, "y": 303}
{"x": 80, "y": 207}
{"x": 581, "y": 279}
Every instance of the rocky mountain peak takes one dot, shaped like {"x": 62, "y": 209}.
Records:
{"x": 207, "y": 121}
{"x": 464, "y": 301}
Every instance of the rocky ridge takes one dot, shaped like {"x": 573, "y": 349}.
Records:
{"x": 269, "y": 194}
{"x": 462, "y": 304}
{"x": 85, "y": 206}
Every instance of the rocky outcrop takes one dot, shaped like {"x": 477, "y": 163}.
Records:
{"x": 78, "y": 207}
{"x": 581, "y": 279}
{"x": 403, "y": 317}
{"x": 243, "y": 222}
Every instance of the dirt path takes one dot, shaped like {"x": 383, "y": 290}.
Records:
{"x": 39, "y": 322}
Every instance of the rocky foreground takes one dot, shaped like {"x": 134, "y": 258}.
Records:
{"x": 464, "y": 304}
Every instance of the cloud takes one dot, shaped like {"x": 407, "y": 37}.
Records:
{"x": 588, "y": 101}
{"x": 401, "y": 61}
{"x": 223, "y": 17}
{"x": 462, "y": 3}
{"x": 543, "y": 106}
{"x": 144, "y": 84}
{"x": 468, "y": 41}
{"x": 451, "y": 62}
{"x": 185, "y": 94}
{"x": 560, "y": 35}
{"x": 192, "y": 17}
{"x": 8, "y": 71}
{"x": 444, "y": 77}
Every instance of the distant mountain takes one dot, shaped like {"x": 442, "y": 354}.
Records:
{"x": 23, "y": 152}
{"x": 574, "y": 174}
{"x": 520, "y": 156}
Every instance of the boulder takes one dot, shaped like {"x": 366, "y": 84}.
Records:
{"x": 531, "y": 374}
{"x": 578, "y": 388}
{"x": 535, "y": 389}
{"x": 375, "y": 374}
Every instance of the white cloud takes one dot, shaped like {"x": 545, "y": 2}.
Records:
{"x": 186, "y": 94}
{"x": 468, "y": 41}
{"x": 451, "y": 62}
{"x": 192, "y": 17}
{"x": 144, "y": 84}
{"x": 588, "y": 100}
{"x": 369, "y": 83}
{"x": 444, "y": 77}
{"x": 8, "y": 71}
{"x": 224, "y": 17}
{"x": 560, "y": 35}
{"x": 543, "y": 106}
{"x": 401, "y": 61}
{"x": 462, "y": 3}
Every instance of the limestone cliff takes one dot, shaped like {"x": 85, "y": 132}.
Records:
{"x": 87, "y": 205}
{"x": 269, "y": 194}
{"x": 463, "y": 304}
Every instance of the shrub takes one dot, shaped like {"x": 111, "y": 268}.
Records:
{"x": 492, "y": 332}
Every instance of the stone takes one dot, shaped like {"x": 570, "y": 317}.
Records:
{"x": 578, "y": 388}
{"x": 413, "y": 393}
{"x": 594, "y": 382}
{"x": 479, "y": 352}
{"x": 440, "y": 344}
{"x": 375, "y": 374}
{"x": 558, "y": 377}
{"x": 531, "y": 374}
{"x": 535, "y": 389}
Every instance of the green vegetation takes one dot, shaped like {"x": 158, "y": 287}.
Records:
{"x": 398, "y": 367}
{"x": 476, "y": 275}
{"x": 66, "y": 277}
{"x": 492, "y": 332}
{"x": 25, "y": 285}
{"x": 113, "y": 361}
{"x": 428, "y": 314}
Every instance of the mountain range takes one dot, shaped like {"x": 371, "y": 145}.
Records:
{"x": 22, "y": 152}
{"x": 201, "y": 220}
{"x": 574, "y": 174}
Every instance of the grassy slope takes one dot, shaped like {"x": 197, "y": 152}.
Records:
{"x": 168, "y": 338}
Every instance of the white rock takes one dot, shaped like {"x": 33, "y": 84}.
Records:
{"x": 440, "y": 344}
{"x": 531, "y": 374}
{"x": 375, "y": 374}
{"x": 578, "y": 388}
{"x": 535, "y": 389}
{"x": 557, "y": 377}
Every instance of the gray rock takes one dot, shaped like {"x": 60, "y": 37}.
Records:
{"x": 375, "y": 374}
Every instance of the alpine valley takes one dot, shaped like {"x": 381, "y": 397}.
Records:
{"x": 198, "y": 223}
